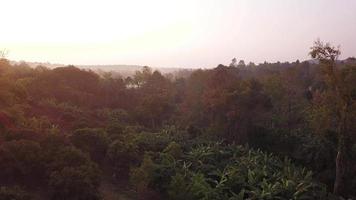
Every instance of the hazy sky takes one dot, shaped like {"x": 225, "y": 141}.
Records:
{"x": 173, "y": 33}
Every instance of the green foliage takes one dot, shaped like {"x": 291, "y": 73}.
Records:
{"x": 55, "y": 122}
{"x": 230, "y": 172}
{"x": 92, "y": 141}
{"x": 121, "y": 155}
{"x": 142, "y": 175}
{"x": 68, "y": 157}
{"x": 155, "y": 142}
{"x": 20, "y": 160}
{"x": 155, "y": 102}
{"x": 75, "y": 183}
{"x": 52, "y": 143}
{"x": 72, "y": 175}
{"x": 114, "y": 129}
{"x": 174, "y": 150}
{"x": 114, "y": 115}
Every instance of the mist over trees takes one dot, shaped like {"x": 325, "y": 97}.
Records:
{"x": 242, "y": 131}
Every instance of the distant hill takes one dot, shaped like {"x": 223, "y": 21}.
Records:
{"x": 122, "y": 70}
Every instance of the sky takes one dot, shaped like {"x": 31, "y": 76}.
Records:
{"x": 173, "y": 33}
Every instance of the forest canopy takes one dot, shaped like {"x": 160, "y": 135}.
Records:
{"x": 241, "y": 131}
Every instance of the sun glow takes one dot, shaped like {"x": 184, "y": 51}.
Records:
{"x": 172, "y": 33}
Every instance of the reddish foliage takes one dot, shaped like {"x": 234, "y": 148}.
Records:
{"x": 5, "y": 121}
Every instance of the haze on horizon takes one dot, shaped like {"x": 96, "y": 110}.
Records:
{"x": 173, "y": 33}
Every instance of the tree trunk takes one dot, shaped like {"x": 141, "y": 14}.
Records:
{"x": 342, "y": 158}
{"x": 340, "y": 173}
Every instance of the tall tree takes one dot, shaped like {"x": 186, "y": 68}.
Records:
{"x": 328, "y": 58}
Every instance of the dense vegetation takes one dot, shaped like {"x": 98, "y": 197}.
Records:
{"x": 243, "y": 131}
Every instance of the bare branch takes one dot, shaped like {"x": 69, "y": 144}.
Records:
{"x": 4, "y": 53}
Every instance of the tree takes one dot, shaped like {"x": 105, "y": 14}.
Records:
{"x": 233, "y": 62}
{"x": 121, "y": 155}
{"x": 75, "y": 183}
{"x": 156, "y": 100}
{"x": 20, "y": 160}
{"x": 233, "y": 107}
{"x": 72, "y": 175}
{"x": 141, "y": 176}
{"x": 141, "y": 77}
{"x": 3, "y": 53}
{"x": 4, "y": 63}
{"x": 241, "y": 64}
{"x": 328, "y": 57}
{"x": 92, "y": 141}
